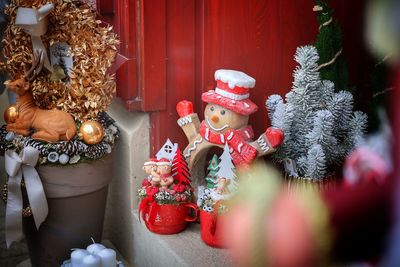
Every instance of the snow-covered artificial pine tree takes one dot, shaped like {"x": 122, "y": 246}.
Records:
{"x": 320, "y": 126}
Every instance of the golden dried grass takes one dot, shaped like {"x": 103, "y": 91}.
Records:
{"x": 93, "y": 47}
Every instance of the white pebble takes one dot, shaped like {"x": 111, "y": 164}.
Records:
{"x": 63, "y": 159}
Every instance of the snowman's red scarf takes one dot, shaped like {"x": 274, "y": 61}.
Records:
{"x": 242, "y": 153}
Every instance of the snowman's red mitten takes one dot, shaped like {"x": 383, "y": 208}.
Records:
{"x": 184, "y": 108}
{"x": 275, "y": 136}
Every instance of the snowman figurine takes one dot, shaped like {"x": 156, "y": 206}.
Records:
{"x": 226, "y": 119}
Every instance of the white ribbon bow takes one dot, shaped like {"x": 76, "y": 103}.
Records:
{"x": 34, "y": 22}
{"x": 18, "y": 167}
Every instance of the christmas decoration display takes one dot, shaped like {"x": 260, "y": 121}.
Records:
{"x": 20, "y": 167}
{"x": 11, "y": 114}
{"x": 166, "y": 195}
{"x": 213, "y": 168}
{"x": 150, "y": 167}
{"x": 58, "y": 57}
{"x": 90, "y": 87}
{"x": 180, "y": 169}
{"x": 92, "y": 132}
{"x": 223, "y": 186}
{"x": 73, "y": 101}
{"x": 226, "y": 121}
{"x": 213, "y": 201}
{"x": 320, "y": 126}
{"x": 76, "y": 150}
{"x": 95, "y": 255}
{"x": 167, "y": 151}
{"x": 163, "y": 186}
{"x": 49, "y": 125}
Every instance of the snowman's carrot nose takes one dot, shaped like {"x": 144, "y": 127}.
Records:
{"x": 215, "y": 118}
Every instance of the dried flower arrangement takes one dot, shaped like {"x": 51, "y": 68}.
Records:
{"x": 82, "y": 51}
{"x": 93, "y": 47}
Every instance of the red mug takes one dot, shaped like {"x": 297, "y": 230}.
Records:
{"x": 170, "y": 218}
{"x": 211, "y": 229}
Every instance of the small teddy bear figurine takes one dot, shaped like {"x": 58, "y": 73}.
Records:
{"x": 164, "y": 168}
{"x": 150, "y": 167}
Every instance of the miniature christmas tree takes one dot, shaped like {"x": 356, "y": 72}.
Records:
{"x": 332, "y": 65}
{"x": 227, "y": 170}
{"x": 180, "y": 169}
{"x": 213, "y": 168}
{"x": 320, "y": 126}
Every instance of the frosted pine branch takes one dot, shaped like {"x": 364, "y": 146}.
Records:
{"x": 316, "y": 163}
{"x": 341, "y": 107}
{"x": 271, "y": 104}
{"x": 358, "y": 124}
{"x": 319, "y": 125}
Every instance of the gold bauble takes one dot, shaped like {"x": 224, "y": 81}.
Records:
{"x": 11, "y": 114}
{"x": 92, "y": 132}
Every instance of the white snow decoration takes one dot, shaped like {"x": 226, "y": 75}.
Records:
{"x": 168, "y": 150}
{"x": 235, "y": 78}
{"x": 227, "y": 169}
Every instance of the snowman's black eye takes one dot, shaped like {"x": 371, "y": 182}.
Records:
{"x": 222, "y": 112}
{"x": 212, "y": 108}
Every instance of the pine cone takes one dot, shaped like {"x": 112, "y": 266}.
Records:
{"x": 80, "y": 146}
{"x": 96, "y": 151}
{"x": 71, "y": 148}
{"x": 43, "y": 148}
{"x": 105, "y": 119}
{"x": 3, "y": 131}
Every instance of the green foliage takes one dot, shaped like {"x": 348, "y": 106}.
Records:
{"x": 213, "y": 168}
{"x": 328, "y": 44}
{"x": 379, "y": 88}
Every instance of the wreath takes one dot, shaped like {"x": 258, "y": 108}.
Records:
{"x": 89, "y": 87}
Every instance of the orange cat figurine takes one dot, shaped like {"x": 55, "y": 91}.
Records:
{"x": 49, "y": 125}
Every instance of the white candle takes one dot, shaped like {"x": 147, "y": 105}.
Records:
{"x": 91, "y": 261}
{"x": 95, "y": 248}
{"x": 108, "y": 257}
{"x": 77, "y": 257}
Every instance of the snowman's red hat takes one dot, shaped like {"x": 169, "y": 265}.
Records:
{"x": 232, "y": 92}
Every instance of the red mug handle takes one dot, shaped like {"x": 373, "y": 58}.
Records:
{"x": 195, "y": 208}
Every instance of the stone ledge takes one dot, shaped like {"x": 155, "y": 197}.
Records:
{"x": 131, "y": 151}
{"x": 183, "y": 249}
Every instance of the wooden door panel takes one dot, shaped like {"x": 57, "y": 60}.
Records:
{"x": 258, "y": 38}
{"x": 173, "y": 47}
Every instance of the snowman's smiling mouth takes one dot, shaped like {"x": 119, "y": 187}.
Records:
{"x": 216, "y": 129}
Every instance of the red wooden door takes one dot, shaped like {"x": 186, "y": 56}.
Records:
{"x": 174, "y": 47}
